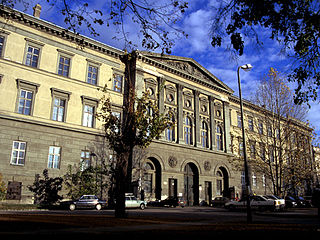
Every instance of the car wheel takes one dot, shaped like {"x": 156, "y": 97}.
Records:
{"x": 98, "y": 207}
{"x": 72, "y": 207}
{"x": 142, "y": 206}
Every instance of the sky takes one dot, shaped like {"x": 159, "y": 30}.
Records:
{"x": 196, "y": 23}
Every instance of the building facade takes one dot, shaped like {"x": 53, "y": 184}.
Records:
{"x": 49, "y": 81}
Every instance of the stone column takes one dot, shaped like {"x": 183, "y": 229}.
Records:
{"x": 180, "y": 113}
{"x": 212, "y": 124}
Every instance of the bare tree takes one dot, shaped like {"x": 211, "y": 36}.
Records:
{"x": 279, "y": 141}
{"x": 282, "y": 135}
{"x": 155, "y": 22}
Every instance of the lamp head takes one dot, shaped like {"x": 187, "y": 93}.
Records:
{"x": 246, "y": 67}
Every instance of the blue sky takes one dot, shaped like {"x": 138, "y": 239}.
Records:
{"x": 196, "y": 23}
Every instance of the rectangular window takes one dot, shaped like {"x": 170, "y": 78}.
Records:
{"x": 88, "y": 116}
{"x": 250, "y": 123}
{"x": 117, "y": 83}
{"x": 85, "y": 160}
{"x": 54, "y": 157}
{"x": 32, "y": 56}
{"x": 64, "y": 66}
{"x": 18, "y": 153}
{"x": 260, "y": 128}
{"x": 1, "y": 45}
{"x": 239, "y": 124}
{"x": 92, "y": 75}
{"x": 58, "y": 113}
{"x": 25, "y": 102}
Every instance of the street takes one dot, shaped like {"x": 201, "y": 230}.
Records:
{"x": 183, "y": 223}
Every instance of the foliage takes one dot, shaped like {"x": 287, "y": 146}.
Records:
{"x": 155, "y": 21}
{"x": 3, "y": 188}
{"x": 80, "y": 180}
{"x": 141, "y": 121}
{"x": 294, "y": 24}
{"x": 46, "y": 189}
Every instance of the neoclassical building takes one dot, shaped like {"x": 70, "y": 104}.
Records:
{"x": 48, "y": 99}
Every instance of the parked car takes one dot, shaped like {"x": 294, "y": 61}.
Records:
{"x": 281, "y": 201}
{"x": 290, "y": 202}
{"x": 173, "y": 202}
{"x": 133, "y": 202}
{"x": 257, "y": 202}
{"x": 219, "y": 201}
{"x": 85, "y": 201}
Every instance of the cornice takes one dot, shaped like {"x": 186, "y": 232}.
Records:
{"x": 52, "y": 29}
{"x": 183, "y": 74}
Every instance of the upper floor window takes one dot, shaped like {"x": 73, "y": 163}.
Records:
{"x": 92, "y": 75}
{"x": 204, "y": 135}
{"x": 239, "y": 123}
{"x": 25, "y": 102}
{"x": 64, "y": 66}
{"x": 250, "y": 124}
{"x": 58, "y": 112}
{"x": 117, "y": 83}
{"x": 32, "y": 56}
{"x": 18, "y": 153}
{"x": 188, "y": 130}
{"x": 59, "y": 104}
{"x": 32, "y": 53}
{"x": 26, "y": 96}
{"x": 88, "y": 116}
{"x": 170, "y": 131}
{"x": 219, "y": 138}
{"x": 2, "y": 39}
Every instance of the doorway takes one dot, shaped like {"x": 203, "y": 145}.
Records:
{"x": 191, "y": 184}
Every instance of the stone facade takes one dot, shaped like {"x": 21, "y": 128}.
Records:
{"x": 49, "y": 82}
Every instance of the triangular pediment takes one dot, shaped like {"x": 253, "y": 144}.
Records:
{"x": 189, "y": 66}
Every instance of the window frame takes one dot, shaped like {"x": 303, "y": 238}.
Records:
{"x": 62, "y": 95}
{"x": 33, "y": 44}
{"x": 91, "y": 102}
{"x": 4, "y": 35}
{"x": 54, "y": 165}
{"x": 96, "y": 65}
{"x": 16, "y": 163}
{"x": 115, "y": 86}
{"x": 187, "y": 129}
{"x": 26, "y": 86}
{"x": 68, "y": 55}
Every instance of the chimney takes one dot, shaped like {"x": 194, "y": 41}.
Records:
{"x": 37, "y": 11}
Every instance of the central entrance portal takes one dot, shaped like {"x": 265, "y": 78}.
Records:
{"x": 191, "y": 184}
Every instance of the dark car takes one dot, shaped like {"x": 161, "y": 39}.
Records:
{"x": 290, "y": 202}
{"x": 85, "y": 201}
{"x": 219, "y": 201}
{"x": 173, "y": 202}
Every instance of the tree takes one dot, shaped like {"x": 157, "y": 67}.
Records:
{"x": 89, "y": 180}
{"x": 294, "y": 24}
{"x": 155, "y": 21}
{"x": 46, "y": 190}
{"x": 3, "y": 188}
{"x": 282, "y": 137}
{"x": 140, "y": 123}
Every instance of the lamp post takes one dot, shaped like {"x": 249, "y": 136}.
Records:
{"x": 246, "y": 67}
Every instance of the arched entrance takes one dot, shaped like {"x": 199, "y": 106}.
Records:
{"x": 222, "y": 182}
{"x": 191, "y": 184}
{"x": 151, "y": 184}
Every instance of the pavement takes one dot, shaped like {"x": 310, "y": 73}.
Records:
{"x": 140, "y": 227}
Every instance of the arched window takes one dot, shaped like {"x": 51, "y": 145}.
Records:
{"x": 219, "y": 137}
{"x": 204, "y": 135}
{"x": 188, "y": 130}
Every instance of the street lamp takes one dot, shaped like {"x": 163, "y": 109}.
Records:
{"x": 246, "y": 67}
